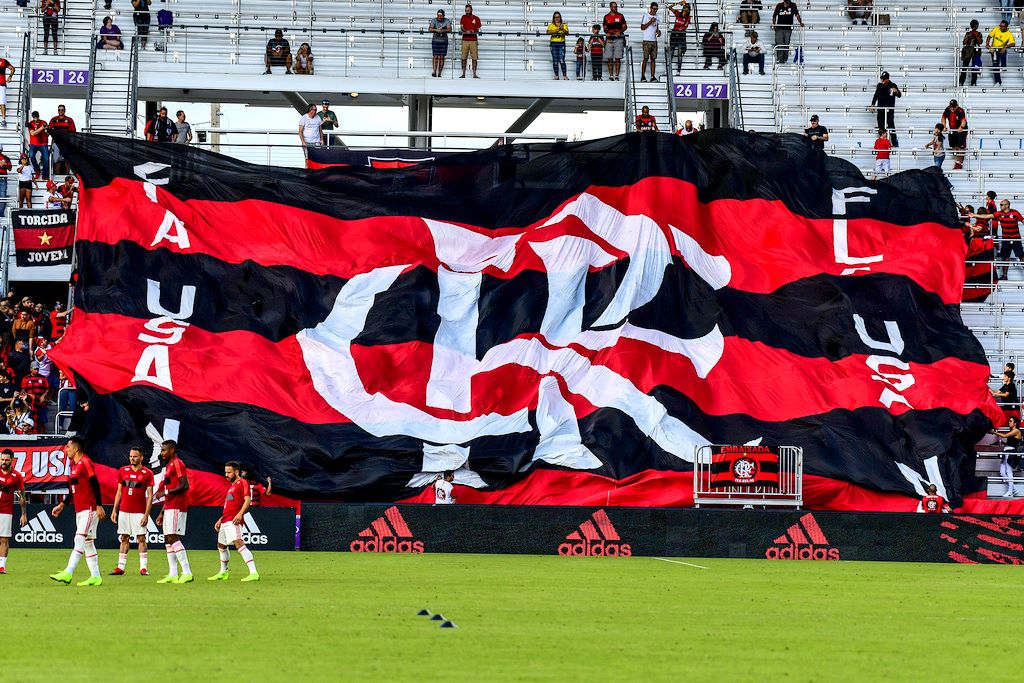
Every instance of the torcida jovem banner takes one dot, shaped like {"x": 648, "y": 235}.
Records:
{"x": 558, "y": 323}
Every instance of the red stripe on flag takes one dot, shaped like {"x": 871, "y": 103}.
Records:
{"x": 766, "y": 244}
{"x": 244, "y": 367}
{"x": 49, "y": 237}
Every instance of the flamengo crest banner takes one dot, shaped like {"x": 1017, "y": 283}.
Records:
{"x": 557, "y": 323}
{"x": 43, "y": 237}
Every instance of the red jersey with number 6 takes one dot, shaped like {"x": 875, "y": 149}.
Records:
{"x": 235, "y": 499}
{"x": 9, "y": 483}
{"x": 81, "y": 491}
{"x": 134, "y": 485}
{"x": 173, "y": 474}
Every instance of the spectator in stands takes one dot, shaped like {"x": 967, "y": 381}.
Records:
{"x": 614, "y": 28}
{"x": 278, "y": 53}
{"x": 1007, "y": 8}
{"x": 714, "y": 46}
{"x": 61, "y": 122}
{"x": 141, "y": 17}
{"x": 859, "y": 9}
{"x": 304, "y": 60}
{"x": 750, "y": 14}
{"x": 999, "y": 41}
{"x": 1009, "y": 230}
{"x": 558, "y": 30}
{"x": 53, "y": 200}
{"x": 882, "y": 147}
{"x": 469, "y": 27}
{"x": 39, "y": 146}
{"x": 440, "y": 27}
{"x": 817, "y": 133}
{"x": 1006, "y": 395}
{"x": 596, "y": 45}
{"x": 937, "y": 145}
{"x": 645, "y": 122}
{"x": 5, "y": 67}
{"x": 649, "y": 25}
{"x": 311, "y": 128}
{"x": 686, "y": 129}
{"x": 782, "y": 21}
{"x": 753, "y": 53}
{"x": 991, "y": 206}
{"x": 883, "y": 102}
{"x": 18, "y": 360}
{"x": 58, "y": 321}
{"x": 36, "y": 387}
{"x": 328, "y": 121}
{"x": 25, "y": 182}
{"x": 184, "y": 136}
{"x": 110, "y": 35}
{"x": 955, "y": 119}
{"x": 49, "y": 10}
{"x": 19, "y": 420}
{"x": 1010, "y": 459}
{"x": 67, "y": 191}
{"x": 5, "y": 166}
{"x": 6, "y": 394}
{"x": 160, "y": 128}
{"x": 24, "y": 327}
{"x": 580, "y": 50}
{"x": 681, "y": 14}
{"x": 970, "y": 54}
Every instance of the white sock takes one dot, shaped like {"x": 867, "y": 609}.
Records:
{"x": 122, "y": 560}
{"x": 179, "y": 552}
{"x": 143, "y": 560}
{"x": 247, "y": 556}
{"x": 92, "y": 559}
{"x": 76, "y": 554}
{"x": 3, "y": 563}
{"x": 224, "y": 557}
{"x": 171, "y": 561}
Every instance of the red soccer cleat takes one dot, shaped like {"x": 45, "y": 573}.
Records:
{"x": 144, "y": 572}
{"x": 3, "y": 570}
{"x": 117, "y": 572}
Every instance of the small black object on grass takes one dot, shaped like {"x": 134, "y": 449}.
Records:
{"x": 423, "y": 613}
{"x": 437, "y": 617}
{"x": 448, "y": 624}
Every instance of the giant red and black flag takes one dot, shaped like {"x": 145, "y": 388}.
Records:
{"x": 556, "y": 323}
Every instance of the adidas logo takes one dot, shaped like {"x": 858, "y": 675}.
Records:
{"x": 803, "y": 541}
{"x": 39, "y": 529}
{"x": 387, "y": 534}
{"x": 596, "y": 537}
{"x": 251, "y": 534}
{"x": 154, "y": 534}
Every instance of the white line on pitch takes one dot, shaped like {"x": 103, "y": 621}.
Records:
{"x": 688, "y": 564}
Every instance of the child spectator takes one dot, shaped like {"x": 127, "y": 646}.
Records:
{"x": 581, "y": 59}
{"x": 596, "y": 45}
{"x": 937, "y": 145}
{"x": 882, "y": 150}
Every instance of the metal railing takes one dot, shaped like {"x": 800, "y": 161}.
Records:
{"x": 670, "y": 92}
{"x": 133, "y": 88}
{"x": 735, "y": 102}
{"x": 630, "y": 98}
{"x": 787, "y": 493}
{"x": 25, "y": 86}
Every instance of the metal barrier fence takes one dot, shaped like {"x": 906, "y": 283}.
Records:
{"x": 789, "y": 493}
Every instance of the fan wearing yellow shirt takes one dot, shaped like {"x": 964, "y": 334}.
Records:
{"x": 998, "y": 43}
{"x": 558, "y": 30}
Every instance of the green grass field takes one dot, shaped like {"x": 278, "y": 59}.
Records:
{"x": 352, "y": 616}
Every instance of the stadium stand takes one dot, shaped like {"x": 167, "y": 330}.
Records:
{"x": 360, "y": 42}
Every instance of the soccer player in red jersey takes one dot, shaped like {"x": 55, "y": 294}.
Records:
{"x": 85, "y": 494}
{"x": 11, "y": 481}
{"x": 230, "y": 525}
{"x": 933, "y": 503}
{"x": 175, "y": 513}
{"x": 256, "y": 489}
{"x": 132, "y": 504}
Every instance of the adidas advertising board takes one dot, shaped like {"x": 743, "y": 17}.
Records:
{"x": 630, "y": 531}
{"x": 263, "y": 528}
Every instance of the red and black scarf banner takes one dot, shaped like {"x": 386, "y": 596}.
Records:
{"x": 380, "y": 159}
{"x": 744, "y": 466}
{"x": 43, "y": 237}
{"x": 549, "y": 321}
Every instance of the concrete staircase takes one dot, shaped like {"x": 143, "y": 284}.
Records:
{"x": 111, "y": 104}
{"x": 757, "y": 97}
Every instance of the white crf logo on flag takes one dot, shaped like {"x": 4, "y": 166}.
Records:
{"x": 464, "y": 255}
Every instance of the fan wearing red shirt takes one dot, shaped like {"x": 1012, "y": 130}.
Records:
{"x": 933, "y": 503}
{"x": 84, "y": 494}
{"x": 257, "y": 489}
{"x": 65, "y": 123}
{"x": 5, "y": 67}
{"x": 1009, "y": 230}
{"x": 11, "y": 482}
{"x": 132, "y": 504}
{"x": 645, "y": 122}
{"x": 614, "y": 27}
{"x": 175, "y": 513}
{"x": 230, "y": 526}
{"x": 39, "y": 144}
{"x": 469, "y": 26}
{"x": 882, "y": 149}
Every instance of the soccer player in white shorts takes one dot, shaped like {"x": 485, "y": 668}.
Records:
{"x": 174, "y": 516}
{"x": 11, "y": 482}
{"x": 132, "y": 505}
{"x": 230, "y": 525}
